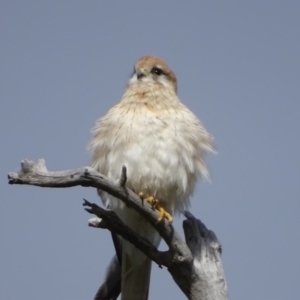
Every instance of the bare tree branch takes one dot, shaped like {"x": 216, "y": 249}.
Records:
{"x": 195, "y": 265}
{"x": 114, "y": 224}
{"x": 206, "y": 250}
{"x": 111, "y": 288}
{"x": 123, "y": 178}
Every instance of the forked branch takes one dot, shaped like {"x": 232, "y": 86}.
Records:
{"x": 195, "y": 264}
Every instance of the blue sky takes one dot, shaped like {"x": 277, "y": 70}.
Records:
{"x": 65, "y": 63}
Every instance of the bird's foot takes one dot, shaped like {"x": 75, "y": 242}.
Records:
{"x": 163, "y": 214}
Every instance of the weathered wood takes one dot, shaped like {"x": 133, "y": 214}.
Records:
{"x": 195, "y": 264}
{"x": 209, "y": 282}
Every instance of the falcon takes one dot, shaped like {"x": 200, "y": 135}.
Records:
{"x": 163, "y": 146}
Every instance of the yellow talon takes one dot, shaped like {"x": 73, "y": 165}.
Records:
{"x": 149, "y": 199}
{"x": 163, "y": 214}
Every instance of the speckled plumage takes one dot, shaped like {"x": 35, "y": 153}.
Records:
{"x": 162, "y": 144}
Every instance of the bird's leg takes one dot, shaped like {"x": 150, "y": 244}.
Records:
{"x": 163, "y": 214}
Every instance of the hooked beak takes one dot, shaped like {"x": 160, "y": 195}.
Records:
{"x": 141, "y": 73}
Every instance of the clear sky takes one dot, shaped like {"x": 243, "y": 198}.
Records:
{"x": 63, "y": 64}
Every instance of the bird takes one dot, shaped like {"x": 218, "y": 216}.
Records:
{"x": 163, "y": 146}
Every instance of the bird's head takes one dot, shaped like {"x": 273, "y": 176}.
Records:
{"x": 153, "y": 70}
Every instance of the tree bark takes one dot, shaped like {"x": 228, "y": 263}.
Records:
{"x": 195, "y": 264}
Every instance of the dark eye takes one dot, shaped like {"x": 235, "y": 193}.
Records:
{"x": 157, "y": 71}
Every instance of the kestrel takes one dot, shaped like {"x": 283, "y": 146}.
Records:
{"x": 163, "y": 145}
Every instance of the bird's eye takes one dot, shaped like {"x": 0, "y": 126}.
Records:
{"x": 157, "y": 71}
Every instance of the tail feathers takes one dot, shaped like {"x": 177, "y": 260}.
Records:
{"x": 135, "y": 277}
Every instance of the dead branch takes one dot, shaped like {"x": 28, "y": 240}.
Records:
{"x": 195, "y": 265}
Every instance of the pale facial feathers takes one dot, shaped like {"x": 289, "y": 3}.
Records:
{"x": 153, "y": 70}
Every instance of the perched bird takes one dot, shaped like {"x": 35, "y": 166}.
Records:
{"x": 163, "y": 145}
